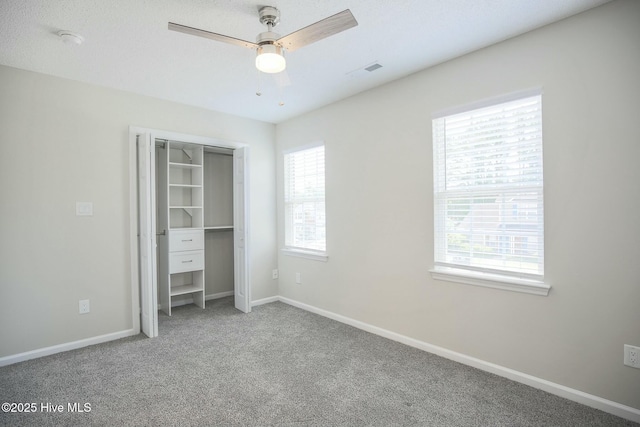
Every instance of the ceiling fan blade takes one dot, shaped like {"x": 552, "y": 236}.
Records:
{"x": 318, "y": 31}
{"x": 213, "y": 36}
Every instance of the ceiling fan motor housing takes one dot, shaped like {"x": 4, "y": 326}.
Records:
{"x": 269, "y": 16}
{"x": 268, "y": 37}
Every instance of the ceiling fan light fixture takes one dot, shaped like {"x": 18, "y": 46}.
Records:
{"x": 270, "y": 58}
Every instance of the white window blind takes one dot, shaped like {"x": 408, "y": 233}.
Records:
{"x": 488, "y": 190}
{"x": 304, "y": 199}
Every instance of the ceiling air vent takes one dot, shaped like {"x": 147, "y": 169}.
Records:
{"x": 363, "y": 71}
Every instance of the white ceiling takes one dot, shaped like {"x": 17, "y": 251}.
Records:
{"x": 127, "y": 45}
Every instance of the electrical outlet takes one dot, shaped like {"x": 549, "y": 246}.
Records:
{"x": 298, "y": 279}
{"x": 83, "y": 306}
{"x": 632, "y": 356}
{"x": 275, "y": 274}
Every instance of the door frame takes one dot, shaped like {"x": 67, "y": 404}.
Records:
{"x": 242, "y": 282}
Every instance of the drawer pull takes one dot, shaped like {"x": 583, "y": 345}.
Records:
{"x": 189, "y": 240}
{"x": 184, "y": 262}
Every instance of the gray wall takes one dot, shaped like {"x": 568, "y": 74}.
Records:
{"x": 218, "y": 211}
{"x": 380, "y": 211}
{"x": 62, "y": 142}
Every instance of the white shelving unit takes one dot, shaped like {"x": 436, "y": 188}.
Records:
{"x": 180, "y": 197}
{"x": 195, "y": 222}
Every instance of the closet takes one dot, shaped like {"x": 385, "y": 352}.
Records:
{"x": 194, "y": 193}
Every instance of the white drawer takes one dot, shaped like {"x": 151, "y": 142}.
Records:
{"x": 179, "y": 262}
{"x": 186, "y": 240}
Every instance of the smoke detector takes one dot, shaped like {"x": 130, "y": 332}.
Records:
{"x": 69, "y": 37}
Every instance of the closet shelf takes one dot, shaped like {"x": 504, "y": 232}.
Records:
{"x": 185, "y": 185}
{"x": 184, "y": 289}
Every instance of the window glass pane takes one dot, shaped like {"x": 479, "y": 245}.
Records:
{"x": 304, "y": 199}
{"x": 488, "y": 189}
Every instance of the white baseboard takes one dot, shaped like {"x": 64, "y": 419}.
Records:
{"x": 41, "y": 352}
{"x": 264, "y": 301}
{"x": 219, "y": 295}
{"x": 578, "y": 396}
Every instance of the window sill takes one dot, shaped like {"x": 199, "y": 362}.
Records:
{"x": 490, "y": 281}
{"x": 315, "y": 256}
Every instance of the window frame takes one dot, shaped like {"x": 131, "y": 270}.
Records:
{"x": 288, "y": 248}
{"x": 491, "y": 278}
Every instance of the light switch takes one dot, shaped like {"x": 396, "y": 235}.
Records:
{"x": 84, "y": 209}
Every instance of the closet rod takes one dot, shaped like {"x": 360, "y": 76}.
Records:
{"x": 220, "y": 228}
{"x": 223, "y": 151}
{"x": 219, "y": 154}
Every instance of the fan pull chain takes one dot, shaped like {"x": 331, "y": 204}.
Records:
{"x": 281, "y": 96}
{"x": 259, "y": 78}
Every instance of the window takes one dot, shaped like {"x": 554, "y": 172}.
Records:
{"x": 488, "y": 195}
{"x": 304, "y": 202}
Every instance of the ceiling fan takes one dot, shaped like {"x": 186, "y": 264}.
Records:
{"x": 269, "y": 46}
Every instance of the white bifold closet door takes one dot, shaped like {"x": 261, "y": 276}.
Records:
{"x": 242, "y": 289}
{"x": 147, "y": 235}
